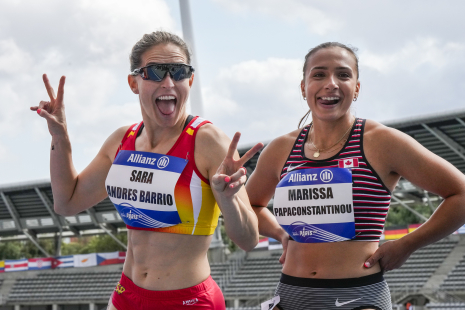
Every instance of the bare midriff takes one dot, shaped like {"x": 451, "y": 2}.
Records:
{"x": 332, "y": 260}
{"x": 165, "y": 261}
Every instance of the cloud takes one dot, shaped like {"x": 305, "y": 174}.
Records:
{"x": 262, "y": 99}
{"x": 420, "y": 52}
{"x": 422, "y": 76}
{"x": 317, "y": 20}
{"x": 89, "y": 41}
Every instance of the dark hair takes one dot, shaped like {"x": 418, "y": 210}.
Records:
{"x": 350, "y": 49}
{"x": 312, "y": 51}
{"x": 151, "y": 39}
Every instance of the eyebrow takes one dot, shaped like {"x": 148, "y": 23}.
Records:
{"x": 326, "y": 68}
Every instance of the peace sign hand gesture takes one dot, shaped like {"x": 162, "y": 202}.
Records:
{"x": 231, "y": 174}
{"x": 54, "y": 110}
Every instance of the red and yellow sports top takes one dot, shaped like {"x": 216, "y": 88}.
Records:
{"x": 196, "y": 205}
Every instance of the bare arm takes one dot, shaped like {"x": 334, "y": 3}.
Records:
{"x": 406, "y": 157}
{"x": 73, "y": 192}
{"x": 261, "y": 187}
{"x": 223, "y": 166}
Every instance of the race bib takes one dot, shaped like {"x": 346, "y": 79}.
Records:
{"x": 316, "y": 205}
{"x": 141, "y": 186}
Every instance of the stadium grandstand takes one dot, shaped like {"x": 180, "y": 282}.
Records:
{"x": 432, "y": 278}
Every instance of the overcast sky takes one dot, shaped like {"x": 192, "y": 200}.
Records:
{"x": 250, "y": 56}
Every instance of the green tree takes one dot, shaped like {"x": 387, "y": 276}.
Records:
{"x": 25, "y": 249}
{"x": 94, "y": 244}
{"x": 10, "y": 250}
{"x": 398, "y": 215}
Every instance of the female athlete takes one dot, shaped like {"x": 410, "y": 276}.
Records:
{"x": 166, "y": 175}
{"x": 332, "y": 182}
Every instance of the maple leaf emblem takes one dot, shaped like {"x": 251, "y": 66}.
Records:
{"x": 348, "y": 162}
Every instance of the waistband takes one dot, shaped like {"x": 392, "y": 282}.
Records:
{"x": 332, "y": 283}
{"x": 160, "y": 295}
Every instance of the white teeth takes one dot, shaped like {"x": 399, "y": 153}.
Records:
{"x": 166, "y": 98}
{"x": 330, "y": 98}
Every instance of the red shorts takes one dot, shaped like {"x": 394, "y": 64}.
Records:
{"x": 206, "y": 295}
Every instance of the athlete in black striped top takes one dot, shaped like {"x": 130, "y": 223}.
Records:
{"x": 371, "y": 198}
{"x": 377, "y": 157}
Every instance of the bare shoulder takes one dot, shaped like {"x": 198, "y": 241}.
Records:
{"x": 278, "y": 149}
{"x": 211, "y": 146}
{"x": 376, "y": 132}
{"x": 385, "y": 139}
{"x": 212, "y": 140}
{"x": 266, "y": 175}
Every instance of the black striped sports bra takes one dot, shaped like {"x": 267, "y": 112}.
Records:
{"x": 371, "y": 198}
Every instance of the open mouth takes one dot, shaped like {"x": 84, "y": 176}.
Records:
{"x": 329, "y": 100}
{"x": 166, "y": 104}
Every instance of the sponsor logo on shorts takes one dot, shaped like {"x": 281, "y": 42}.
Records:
{"x": 339, "y": 304}
{"x": 270, "y": 304}
{"x": 119, "y": 289}
{"x": 190, "y": 302}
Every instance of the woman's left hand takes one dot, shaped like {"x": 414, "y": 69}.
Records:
{"x": 231, "y": 174}
{"x": 391, "y": 255}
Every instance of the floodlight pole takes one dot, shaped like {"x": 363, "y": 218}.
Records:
{"x": 188, "y": 34}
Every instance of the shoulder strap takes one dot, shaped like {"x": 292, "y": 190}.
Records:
{"x": 297, "y": 148}
{"x": 130, "y": 135}
{"x": 188, "y": 120}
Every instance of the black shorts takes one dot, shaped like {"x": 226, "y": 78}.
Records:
{"x": 369, "y": 292}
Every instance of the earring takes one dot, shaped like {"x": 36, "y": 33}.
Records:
{"x": 355, "y": 99}
{"x": 305, "y": 98}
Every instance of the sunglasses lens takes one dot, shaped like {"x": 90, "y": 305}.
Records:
{"x": 156, "y": 73}
{"x": 178, "y": 72}
{"x": 183, "y": 72}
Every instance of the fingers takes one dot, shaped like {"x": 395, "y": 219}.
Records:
{"x": 43, "y": 113}
{"x": 220, "y": 180}
{"x": 370, "y": 262}
{"x": 250, "y": 153}
{"x": 48, "y": 87}
{"x": 233, "y": 181}
{"x": 43, "y": 109}
{"x": 284, "y": 242}
{"x": 238, "y": 178}
{"x": 282, "y": 258}
{"x": 61, "y": 89}
{"x": 233, "y": 145}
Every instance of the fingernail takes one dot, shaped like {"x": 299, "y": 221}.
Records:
{"x": 231, "y": 185}
{"x": 38, "y": 111}
{"x": 367, "y": 264}
{"x": 245, "y": 170}
{"x": 227, "y": 179}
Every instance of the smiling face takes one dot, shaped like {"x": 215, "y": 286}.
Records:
{"x": 330, "y": 83}
{"x": 162, "y": 102}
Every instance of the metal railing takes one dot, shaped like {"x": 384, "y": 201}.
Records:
{"x": 233, "y": 266}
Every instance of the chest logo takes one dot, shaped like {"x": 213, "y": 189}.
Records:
{"x": 163, "y": 162}
{"x": 326, "y": 175}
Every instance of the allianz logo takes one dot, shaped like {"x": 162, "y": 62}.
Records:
{"x": 131, "y": 216}
{"x": 162, "y": 162}
{"x": 138, "y": 158}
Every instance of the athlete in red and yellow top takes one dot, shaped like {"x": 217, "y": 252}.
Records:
{"x": 195, "y": 202}
{"x": 158, "y": 261}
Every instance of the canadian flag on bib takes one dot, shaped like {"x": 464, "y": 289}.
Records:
{"x": 348, "y": 163}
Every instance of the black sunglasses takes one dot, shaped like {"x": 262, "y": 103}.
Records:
{"x": 157, "y": 72}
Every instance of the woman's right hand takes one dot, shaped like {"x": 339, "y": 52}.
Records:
{"x": 54, "y": 110}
